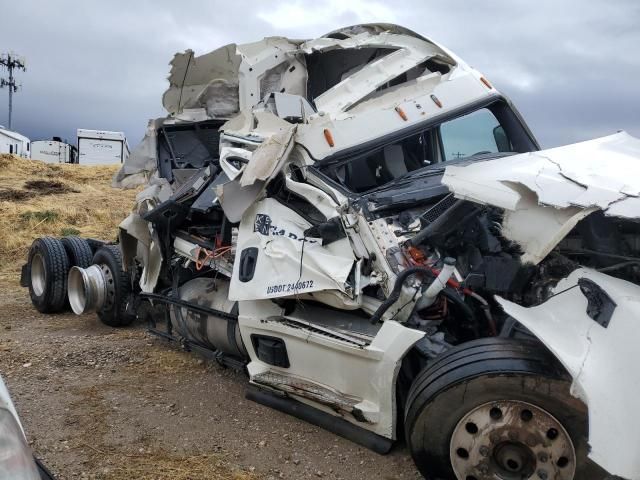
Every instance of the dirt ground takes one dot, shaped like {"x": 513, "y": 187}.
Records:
{"x": 104, "y": 403}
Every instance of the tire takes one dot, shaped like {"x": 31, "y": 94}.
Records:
{"x": 114, "y": 312}
{"x": 450, "y": 416}
{"x": 95, "y": 244}
{"x": 47, "y": 270}
{"x": 78, "y": 251}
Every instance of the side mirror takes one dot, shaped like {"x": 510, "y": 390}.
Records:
{"x": 501, "y": 139}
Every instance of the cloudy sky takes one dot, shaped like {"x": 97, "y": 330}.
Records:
{"x": 571, "y": 66}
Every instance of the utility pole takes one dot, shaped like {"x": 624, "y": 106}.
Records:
{"x": 11, "y": 63}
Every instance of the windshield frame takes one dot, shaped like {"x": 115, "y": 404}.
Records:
{"x": 508, "y": 117}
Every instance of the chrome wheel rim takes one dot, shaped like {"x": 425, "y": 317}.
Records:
{"x": 38, "y": 275}
{"x": 511, "y": 440}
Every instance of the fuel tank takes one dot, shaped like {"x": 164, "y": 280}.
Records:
{"x": 217, "y": 332}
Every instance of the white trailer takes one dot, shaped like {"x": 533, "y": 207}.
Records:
{"x": 14, "y": 143}
{"x": 102, "y": 147}
{"x": 53, "y": 151}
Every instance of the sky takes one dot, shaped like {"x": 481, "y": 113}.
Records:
{"x": 572, "y": 67}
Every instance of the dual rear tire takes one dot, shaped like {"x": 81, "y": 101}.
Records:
{"x": 47, "y": 271}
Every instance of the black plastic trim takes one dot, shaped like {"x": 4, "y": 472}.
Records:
{"x": 248, "y": 262}
{"x": 277, "y": 356}
{"x": 321, "y": 419}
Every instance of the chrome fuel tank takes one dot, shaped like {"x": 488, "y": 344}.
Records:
{"x": 211, "y": 331}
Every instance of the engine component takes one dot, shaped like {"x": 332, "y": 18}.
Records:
{"x": 447, "y": 222}
{"x": 395, "y": 293}
{"x": 438, "y": 284}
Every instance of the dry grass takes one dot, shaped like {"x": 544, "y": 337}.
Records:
{"x": 39, "y": 199}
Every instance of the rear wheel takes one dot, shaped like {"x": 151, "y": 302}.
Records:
{"x": 118, "y": 289}
{"x": 497, "y": 409}
{"x": 47, "y": 270}
{"x": 78, "y": 250}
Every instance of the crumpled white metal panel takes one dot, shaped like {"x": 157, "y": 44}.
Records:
{"x": 409, "y": 52}
{"x": 602, "y": 362}
{"x": 288, "y": 262}
{"x": 602, "y": 173}
{"x": 546, "y": 193}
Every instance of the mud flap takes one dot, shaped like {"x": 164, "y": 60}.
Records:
{"x": 24, "y": 275}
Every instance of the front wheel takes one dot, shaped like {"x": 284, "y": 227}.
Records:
{"x": 497, "y": 409}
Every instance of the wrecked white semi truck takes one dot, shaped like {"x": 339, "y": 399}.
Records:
{"x": 367, "y": 227}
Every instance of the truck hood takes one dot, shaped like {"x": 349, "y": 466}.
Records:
{"x": 546, "y": 193}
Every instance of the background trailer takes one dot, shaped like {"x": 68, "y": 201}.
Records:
{"x": 13, "y": 142}
{"x": 54, "y": 151}
{"x": 101, "y": 147}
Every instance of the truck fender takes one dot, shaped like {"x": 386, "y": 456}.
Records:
{"x": 597, "y": 342}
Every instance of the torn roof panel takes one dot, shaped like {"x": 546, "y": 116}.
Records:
{"x": 193, "y": 80}
{"x": 603, "y": 173}
{"x": 235, "y": 83}
{"x": 237, "y": 77}
{"x": 408, "y": 52}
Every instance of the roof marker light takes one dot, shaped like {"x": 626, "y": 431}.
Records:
{"x": 436, "y": 101}
{"x": 486, "y": 83}
{"x": 402, "y": 114}
{"x": 328, "y": 137}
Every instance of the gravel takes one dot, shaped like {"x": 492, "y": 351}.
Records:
{"x": 104, "y": 403}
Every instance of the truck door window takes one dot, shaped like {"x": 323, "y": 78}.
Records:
{"x": 379, "y": 167}
{"x": 493, "y": 129}
{"x": 476, "y": 133}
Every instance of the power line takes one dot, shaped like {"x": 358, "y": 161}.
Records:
{"x": 11, "y": 63}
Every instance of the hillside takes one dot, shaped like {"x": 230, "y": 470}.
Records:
{"x": 38, "y": 199}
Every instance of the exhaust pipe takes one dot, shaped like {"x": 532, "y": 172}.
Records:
{"x": 87, "y": 289}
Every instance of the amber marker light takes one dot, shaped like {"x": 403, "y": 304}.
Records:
{"x": 486, "y": 83}
{"x": 402, "y": 114}
{"x": 328, "y": 137}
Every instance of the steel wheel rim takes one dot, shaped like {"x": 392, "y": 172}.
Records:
{"x": 38, "y": 275}
{"x": 110, "y": 288}
{"x": 511, "y": 440}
